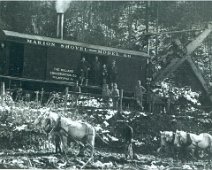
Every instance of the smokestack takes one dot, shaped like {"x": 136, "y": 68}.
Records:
{"x": 60, "y": 20}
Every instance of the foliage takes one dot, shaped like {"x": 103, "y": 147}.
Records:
{"x": 116, "y": 24}
{"x": 125, "y": 24}
{"x": 134, "y": 25}
{"x": 17, "y": 121}
{"x": 19, "y": 136}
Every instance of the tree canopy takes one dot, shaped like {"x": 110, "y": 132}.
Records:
{"x": 134, "y": 25}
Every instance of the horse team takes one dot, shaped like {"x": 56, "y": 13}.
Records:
{"x": 179, "y": 144}
{"x": 184, "y": 145}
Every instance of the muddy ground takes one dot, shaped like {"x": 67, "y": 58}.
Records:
{"x": 21, "y": 148}
{"x": 11, "y": 159}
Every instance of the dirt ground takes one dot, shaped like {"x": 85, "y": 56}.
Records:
{"x": 20, "y": 159}
{"x": 23, "y": 148}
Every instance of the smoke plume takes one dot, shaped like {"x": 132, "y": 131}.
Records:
{"x": 62, "y": 5}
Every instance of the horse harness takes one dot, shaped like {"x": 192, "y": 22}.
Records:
{"x": 188, "y": 142}
{"x": 172, "y": 142}
{"x": 173, "y": 138}
{"x": 47, "y": 128}
{"x": 58, "y": 127}
{"x": 196, "y": 144}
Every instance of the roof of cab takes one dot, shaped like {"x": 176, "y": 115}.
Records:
{"x": 20, "y": 37}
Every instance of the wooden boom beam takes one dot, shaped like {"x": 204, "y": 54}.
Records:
{"x": 175, "y": 63}
{"x": 172, "y": 32}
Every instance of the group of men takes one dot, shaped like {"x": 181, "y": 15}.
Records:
{"x": 101, "y": 74}
{"x": 112, "y": 92}
{"x": 97, "y": 72}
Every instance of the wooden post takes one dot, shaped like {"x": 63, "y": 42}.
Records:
{"x": 128, "y": 107}
{"x": 41, "y": 96}
{"x": 9, "y": 84}
{"x": 36, "y": 97}
{"x": 2, "y": 92}
{"x": 121, "y": 98}
{"x": 66, "y": 97}
{"x": 2, "y": 88}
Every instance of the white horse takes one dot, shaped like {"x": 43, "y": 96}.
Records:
{"x": 77, "y": 131}
{"x": 167, "y": 142}
{"x": 193, "y": 142}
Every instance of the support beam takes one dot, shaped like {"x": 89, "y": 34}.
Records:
{"x": 175, "y": 63}
{"x": 198, "y": 41}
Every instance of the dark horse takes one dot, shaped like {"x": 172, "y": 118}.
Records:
{"x": 124, "y": 131}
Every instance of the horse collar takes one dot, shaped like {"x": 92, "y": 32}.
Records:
{"x": 173, "y": 138}
{"x": 172, "y": 141}
{"x": 189, "y": 141}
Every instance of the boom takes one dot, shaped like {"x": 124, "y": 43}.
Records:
{"x": 176, "y": 62}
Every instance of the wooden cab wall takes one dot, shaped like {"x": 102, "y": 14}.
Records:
{"x": 50, "y": 59}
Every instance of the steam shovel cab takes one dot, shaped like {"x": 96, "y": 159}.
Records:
{"x": 38, "y": 61}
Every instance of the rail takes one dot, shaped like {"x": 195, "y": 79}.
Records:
{"x": 42, "y": 81}
{"x": 129, "y": 100}
{"x": 61, "y": 83}
{"x": 126, "y": 101}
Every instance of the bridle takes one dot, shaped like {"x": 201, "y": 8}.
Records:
{"x": 169, "y": 142}
{"x": 173, "y": 137}
{"x": 48, "y": 125}
{"x": 188, "y": 140}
